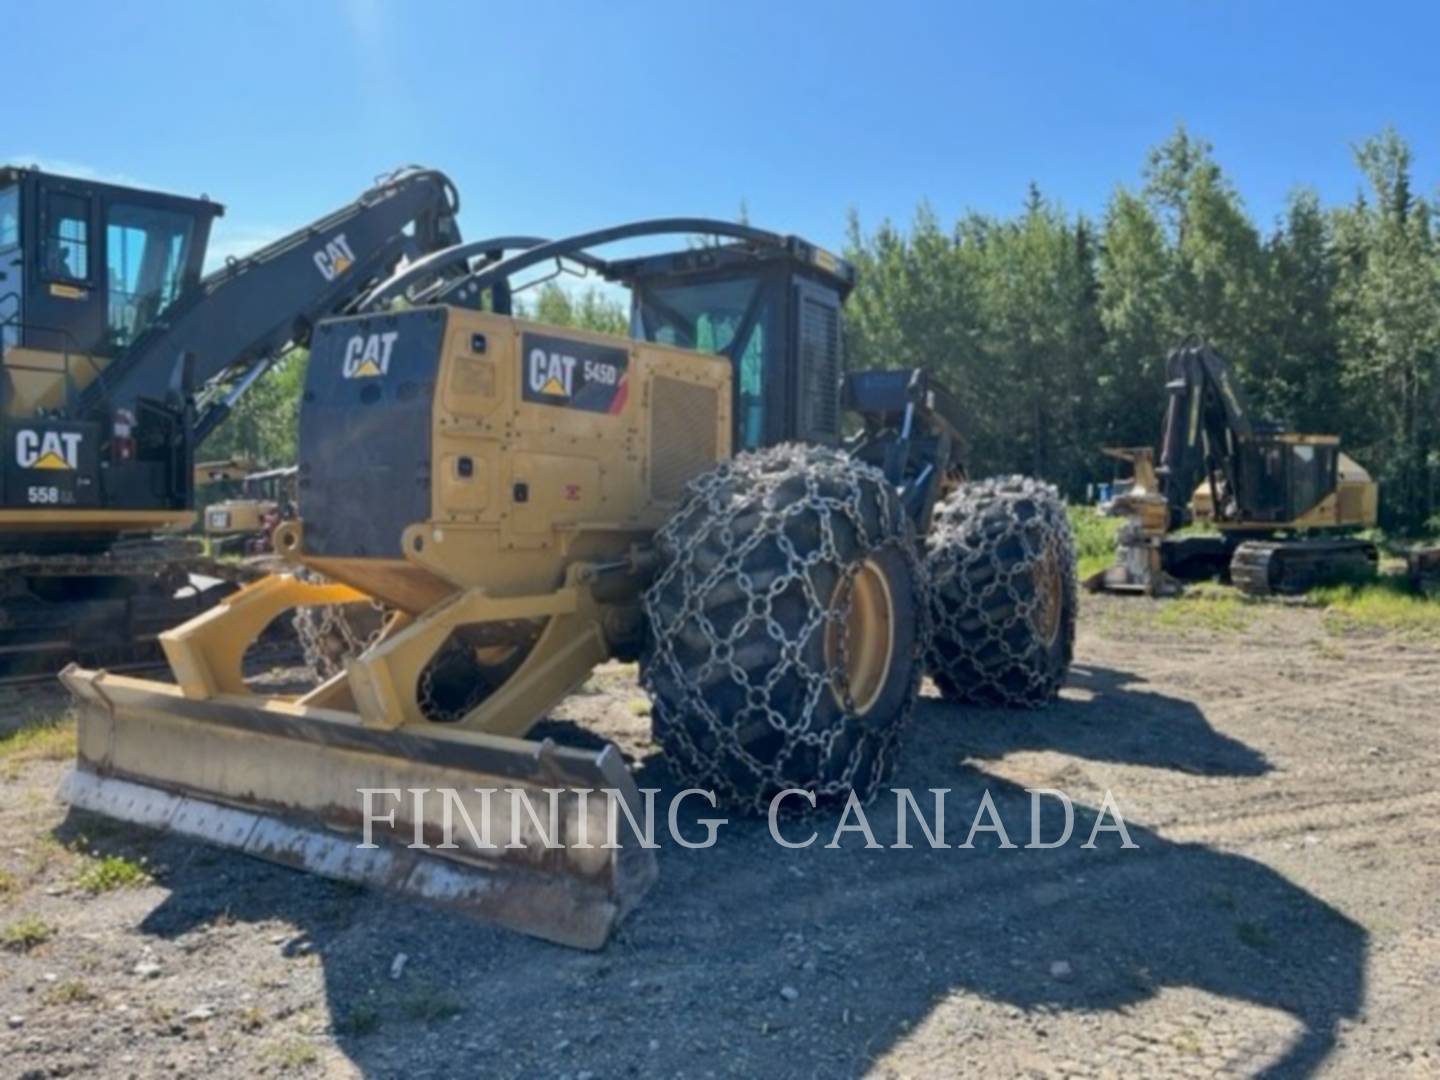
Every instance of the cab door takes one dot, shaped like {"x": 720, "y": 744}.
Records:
{"x": 65, "y": 308}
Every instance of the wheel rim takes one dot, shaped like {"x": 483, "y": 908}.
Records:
{"x": 867, "y": 634}
{"x": 1050, "y": 595}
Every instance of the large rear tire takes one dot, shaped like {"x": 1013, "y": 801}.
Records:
{"x": 1001, "y": 562}
{"x": 787, "y": 627}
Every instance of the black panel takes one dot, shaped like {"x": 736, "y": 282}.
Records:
{"x": 817, "y": 351}
{"x": 572, "y": 374}
{"x": 51, "y": 464}
{"x": 365, "y": 432}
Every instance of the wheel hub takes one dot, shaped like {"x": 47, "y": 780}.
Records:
{"x": 1049, "y": 594}
{"x": 864, "y": 632}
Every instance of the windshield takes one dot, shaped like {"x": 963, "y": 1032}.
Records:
{"x": 9, "y": 217}
{"x": 707, "y": 317}
{"x": 146, "y": 253}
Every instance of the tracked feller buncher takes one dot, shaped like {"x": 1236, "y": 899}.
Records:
{"x": 1278, "y": 502}
{"x": 118, "y": 357}
{"x": 531, "y": 501}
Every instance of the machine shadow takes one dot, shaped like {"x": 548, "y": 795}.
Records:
{"x": 1106, "y": 715}
{"x": 873, "y": 940}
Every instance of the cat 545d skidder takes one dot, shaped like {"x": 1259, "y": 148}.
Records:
{"x": 531, "y": 501}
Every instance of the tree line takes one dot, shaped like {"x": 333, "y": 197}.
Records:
{"x": 1053, "y": 328}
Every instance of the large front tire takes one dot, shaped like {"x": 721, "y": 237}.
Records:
{"x": 1001, "y": 562}
{"x": 787, "y": 626}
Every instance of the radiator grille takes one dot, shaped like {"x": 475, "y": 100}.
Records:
{"x": 820, "y": 360}
{"x": 683, "y": 434}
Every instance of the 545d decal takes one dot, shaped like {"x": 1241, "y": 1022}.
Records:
{"x": 573, "y": 374}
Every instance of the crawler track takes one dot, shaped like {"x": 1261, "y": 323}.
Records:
{"x": 106, "y": 609}
{"x": 1292, "y": 567}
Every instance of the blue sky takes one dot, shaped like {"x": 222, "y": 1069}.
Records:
{"x": 561, "y": 116}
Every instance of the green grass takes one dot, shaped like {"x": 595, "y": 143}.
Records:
{"x": 26, "y": 934}
{"x": 430, "y": 1004}
{"x": 361, "y": 1020}
{"x": 1094, "y": 539}
{"x": 1384, "y": 604}
{"x": 73, "y": 992}
{"x": 110, "y": 873}
{"x": 49, "y": 739}
{"x": 7, "y": 882}
{"x": 293, "y": 1054}
{"x": 1213, "y": 608}
{"x": 1187, "y": 1042}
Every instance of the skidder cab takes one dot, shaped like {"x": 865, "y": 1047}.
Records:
{"x": 528, "y": 501}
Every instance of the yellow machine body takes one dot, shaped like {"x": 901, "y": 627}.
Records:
{"x": 37, "y": 379}
{"x": 538, "y": 500}
{"x": 546, "y": 485}
{"x": 237, "y": 517}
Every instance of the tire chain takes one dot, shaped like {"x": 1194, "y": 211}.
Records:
{"x": 713, "y": 505}
{"x": 988, "y": 539}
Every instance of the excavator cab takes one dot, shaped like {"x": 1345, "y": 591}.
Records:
{"x": 86, "y": 267}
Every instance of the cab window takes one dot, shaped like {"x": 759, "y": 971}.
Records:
{"x": 708, "y": 316}
{"x": 9, "y": 217}
{"x": 146, "y": 251}
{"x": 67, "y": 237}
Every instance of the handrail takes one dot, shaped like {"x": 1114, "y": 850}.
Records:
{"x": 14, "y": 317}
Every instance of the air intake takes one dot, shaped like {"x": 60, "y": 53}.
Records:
{"x": 684, "y": 434}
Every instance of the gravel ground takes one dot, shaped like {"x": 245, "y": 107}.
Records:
{"x": 1279, "y": 913}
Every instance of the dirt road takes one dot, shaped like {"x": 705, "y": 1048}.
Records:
{"x": 1280, "y": 912}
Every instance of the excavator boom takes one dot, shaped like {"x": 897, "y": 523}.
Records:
{"x": 118, "y": 356}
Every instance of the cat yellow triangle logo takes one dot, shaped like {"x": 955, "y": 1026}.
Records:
{"x": 341, "y": 265}
{"x": 554, "y": 387}
{"x": 368, "y": 369}
{"x": 51, "y": 460}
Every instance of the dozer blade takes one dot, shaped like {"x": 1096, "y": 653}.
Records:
{"x": 286, "y": 782}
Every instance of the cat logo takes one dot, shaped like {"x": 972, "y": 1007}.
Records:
{"x": 47, "y": 449}
{"x": 335, "y": 258}
{"x": 367, "y": 356}
{"x": 551, "y": 373}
